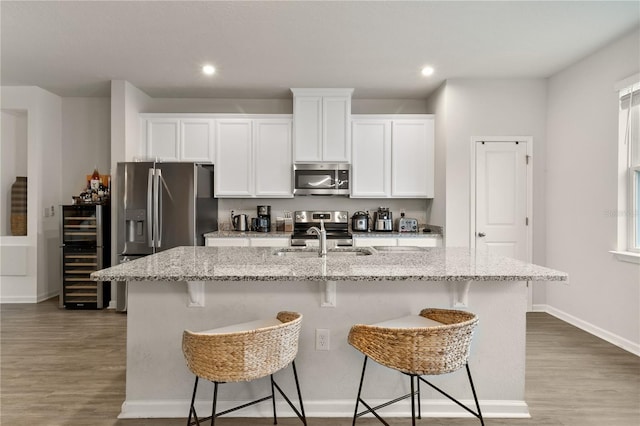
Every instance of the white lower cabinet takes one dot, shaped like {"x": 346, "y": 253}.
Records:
{"x": 426, "y": 241}
{"x": 270, "y": 242}
{"x": 420, "y": 242}
{"x": 227, "y": 242}
{"x": 392, "y": 156}
{"x": 372, "y": 241}
{"x": 248, "y": 242}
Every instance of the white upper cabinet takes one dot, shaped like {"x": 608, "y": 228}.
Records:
{"x": 370, "y": 155}
{"x": 273, "y": 165}
{"x": 253, "y": 158}
{"x": 412, "y": 158}
{"x": 163, "y": 139}
{"x": 392, "y": 156}
{"x": 197, "y": 137}
{"x": 178, "y": 139}
{"x": 234, "y": 174}
{"x": 321, "y": 120}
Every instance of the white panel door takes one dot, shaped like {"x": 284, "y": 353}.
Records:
{"x": 197, "y": 140}
{"x": 412, "y": 158}
{"x": 335, "y": 128}
{"x": 307, "y": 113}
{"x": 501, "y": 199}
{"x": 163, "y": 139}
{"x": 234, "y": 158}
{"x": 273, "y": 161}
{"x": 370, "y": 158}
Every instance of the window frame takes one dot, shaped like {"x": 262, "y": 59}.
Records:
{"x": 627, "y": 213}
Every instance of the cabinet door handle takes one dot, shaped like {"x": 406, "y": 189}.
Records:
{"x": 481, "y": 234}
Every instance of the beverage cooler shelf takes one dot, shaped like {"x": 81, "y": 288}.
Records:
{"x": 85, "y": 248}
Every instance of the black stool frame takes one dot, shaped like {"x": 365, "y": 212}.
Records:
{"x": 274, "y": 386}
{"x": 414, "y": 378}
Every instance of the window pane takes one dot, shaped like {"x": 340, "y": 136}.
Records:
{"x": 634, "y": 135}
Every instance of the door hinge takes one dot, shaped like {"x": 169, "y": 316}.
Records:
{"x": 527, "y": 158}
{"x": 526, "y": 221}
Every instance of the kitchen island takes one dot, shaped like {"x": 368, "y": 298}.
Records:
{"x": 199, "y": 288}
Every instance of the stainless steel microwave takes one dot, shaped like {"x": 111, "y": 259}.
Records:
{"x": 321, "y": 179}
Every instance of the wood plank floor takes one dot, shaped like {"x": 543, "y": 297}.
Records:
{"x": 61, "y": 367}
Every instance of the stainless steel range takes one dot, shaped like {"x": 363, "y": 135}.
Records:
{"x": 336, "y": 223}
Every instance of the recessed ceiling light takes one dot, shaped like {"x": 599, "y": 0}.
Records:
{"x": 208, "y": 70}
{"x": 427, "y": 71}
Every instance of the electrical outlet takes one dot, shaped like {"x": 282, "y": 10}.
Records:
{"x": 322, "y": 339}
{"x": 53, "y": 211}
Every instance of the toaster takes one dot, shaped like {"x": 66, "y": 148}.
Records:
{"x": 407, "y": 225}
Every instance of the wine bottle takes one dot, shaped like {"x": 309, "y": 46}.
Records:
{"x": 95, "y": 179}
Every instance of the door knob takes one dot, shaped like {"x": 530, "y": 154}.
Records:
{"x": 481, "y": 234}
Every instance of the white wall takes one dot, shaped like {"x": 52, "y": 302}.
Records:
{"x": 13, "y": 125}
{"x": 41, "y": 279}
{"x": 437, "y": 105}
{"x": 86, "y": 138}
{"x": 603, "y": 294}
{"x": 491, "y": 108}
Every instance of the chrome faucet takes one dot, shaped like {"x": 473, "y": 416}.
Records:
{"x": 322, "y": 237}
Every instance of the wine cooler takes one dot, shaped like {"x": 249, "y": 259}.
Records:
{"x": 85, "y": 238}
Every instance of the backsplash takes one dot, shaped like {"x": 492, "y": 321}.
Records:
{"x": 413, "y": 208}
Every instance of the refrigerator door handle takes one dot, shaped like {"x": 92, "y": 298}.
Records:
{"x": 156, "y": 213}
{"x": 159, "y": 185}
{"x": 150, "y": 191}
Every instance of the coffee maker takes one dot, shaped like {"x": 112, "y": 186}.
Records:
{"x": 263, "y": 222}
{"x": 383, "y": 220}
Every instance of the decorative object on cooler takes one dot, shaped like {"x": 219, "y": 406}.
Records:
{"x": 19, "y": 206}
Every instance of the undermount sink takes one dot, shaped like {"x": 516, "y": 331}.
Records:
{"x": 313, "y": 252}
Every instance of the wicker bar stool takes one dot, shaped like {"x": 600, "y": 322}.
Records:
{"x": 242, "y": 353}
{"x": 432, "y": 343}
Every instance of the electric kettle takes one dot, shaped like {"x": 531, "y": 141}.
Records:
{"x": 240, "y": 222}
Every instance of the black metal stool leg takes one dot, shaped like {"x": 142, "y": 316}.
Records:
{"x": 413, "y": 403}
{"x": 475, "y": 397}
{"x": 273, "y": 402}
{"x": 215, "y": 400}
{"x": 419, "y": 403}
{"x": 355, "y": 413}
{"x": 295, "y": 376}
{"x": 192, "y": 409}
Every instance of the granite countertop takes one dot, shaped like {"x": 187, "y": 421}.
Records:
{"x": 261, "y": 264}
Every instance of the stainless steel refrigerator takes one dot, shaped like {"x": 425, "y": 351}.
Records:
{"x": 161, "y": 206}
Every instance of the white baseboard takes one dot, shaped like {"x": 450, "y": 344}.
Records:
{"x": 612, "y": 338}
{"x": 47, "y": 296}
{"x": 324, "y": 409}
{"x": 18, "y": 299}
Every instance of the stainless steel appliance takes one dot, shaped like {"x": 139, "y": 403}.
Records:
{"x": 263, "y": 221}
{"x": 240, "y": 222}
{"x": 85, "y": 247}
{"x": 161, "y": 206}
{"x": 336, "y": 224}
{"x": 321, "y": 179}
{"x": 407, "y": 225}
{"x": 383, "y": 220}
{"x": 360, "y": 222}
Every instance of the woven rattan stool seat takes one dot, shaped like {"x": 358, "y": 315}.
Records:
{"x": 244, "y": 352}
{"x": 435, "y": 342}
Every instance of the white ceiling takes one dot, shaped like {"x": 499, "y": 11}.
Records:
{"x": 263, "y": 48}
